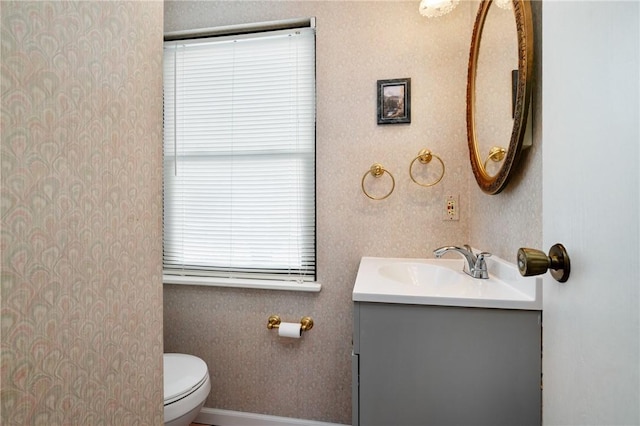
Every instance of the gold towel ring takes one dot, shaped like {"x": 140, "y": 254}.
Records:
{"x": 496, "y": 154}
{"x": 376, "y": 171}
{"x": 425, "y": 156}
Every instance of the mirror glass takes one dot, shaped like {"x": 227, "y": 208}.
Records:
{"x": 498, "y": 91}
{"x": 497, "y": 59}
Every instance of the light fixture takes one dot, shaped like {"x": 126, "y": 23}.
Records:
{"x": 434, "y": 8}
{"x": 504, "y": 4}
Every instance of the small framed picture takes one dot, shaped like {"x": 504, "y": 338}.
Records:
{"x": 394, "y": 101}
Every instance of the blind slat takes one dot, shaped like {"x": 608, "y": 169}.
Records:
{"x": 239, "y": 147}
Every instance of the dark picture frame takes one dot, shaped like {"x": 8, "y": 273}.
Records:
{"x": 394, "y": 101}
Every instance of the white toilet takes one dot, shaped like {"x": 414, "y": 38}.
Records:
{"x": 186, "y": 387}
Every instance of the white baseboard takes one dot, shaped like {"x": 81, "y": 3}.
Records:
{"x": 214, "y": 416}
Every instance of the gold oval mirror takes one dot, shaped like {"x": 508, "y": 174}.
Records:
{"x": 499, "y": 87}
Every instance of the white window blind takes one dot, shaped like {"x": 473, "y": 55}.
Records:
{"x": 239, "y": 156}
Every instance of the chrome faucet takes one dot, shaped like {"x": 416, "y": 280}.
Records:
{"x": 474, "y": 265}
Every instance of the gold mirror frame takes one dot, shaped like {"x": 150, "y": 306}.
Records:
{"x": 524, "y": 26}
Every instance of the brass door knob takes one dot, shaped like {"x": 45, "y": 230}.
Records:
{"x": 535, "y": 262}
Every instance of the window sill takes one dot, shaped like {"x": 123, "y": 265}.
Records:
{"x": 311, "y": 287}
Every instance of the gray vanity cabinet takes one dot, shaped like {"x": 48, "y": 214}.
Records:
{"x": 419, "y": 365}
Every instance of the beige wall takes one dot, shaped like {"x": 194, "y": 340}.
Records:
{"x": 81, "y": 132}
{"x": 81, "y": 216}
{"x": 358, "y": 42}
{"x": 502, "y": 223}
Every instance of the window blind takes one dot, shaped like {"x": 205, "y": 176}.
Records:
{"x": 239, "y": 156}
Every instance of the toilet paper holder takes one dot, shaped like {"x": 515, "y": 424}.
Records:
{"x": 306, "y": 323}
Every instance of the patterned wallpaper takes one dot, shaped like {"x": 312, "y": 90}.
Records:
{"x": 358, "y": 43}
{"x": 81, "y": 297}
{"x": 81, "y": 206}
{"x": 502, "y": 223}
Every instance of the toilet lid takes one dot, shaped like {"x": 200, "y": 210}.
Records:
{"x": 182, "y": 374}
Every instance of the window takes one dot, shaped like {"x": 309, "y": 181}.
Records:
{"x": 239, "y": 156}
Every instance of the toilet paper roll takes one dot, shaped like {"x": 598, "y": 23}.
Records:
{"x": 290, "y": 329}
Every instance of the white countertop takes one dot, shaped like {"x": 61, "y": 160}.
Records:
{"x": 442, "y": 282}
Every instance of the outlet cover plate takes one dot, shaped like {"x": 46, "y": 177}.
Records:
{"x": 451, "y": 208}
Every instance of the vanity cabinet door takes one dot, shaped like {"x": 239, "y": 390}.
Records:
{"x": 432, "y": 365}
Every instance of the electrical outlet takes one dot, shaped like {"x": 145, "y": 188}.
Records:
{"x": 451, "y": 207}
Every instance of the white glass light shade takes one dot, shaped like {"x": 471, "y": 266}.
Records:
{"x": 504, "y": 4}
{"x": 434, "y": 8}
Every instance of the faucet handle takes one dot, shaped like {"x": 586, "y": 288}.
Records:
{"x": 481, "y": 266}
{"x": 483, "y": 254}
{"x": 480, "y": 263}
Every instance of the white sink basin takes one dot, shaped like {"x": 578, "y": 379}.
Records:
{"x": 442, "y": 282}
{"x": 436, "y": 277}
